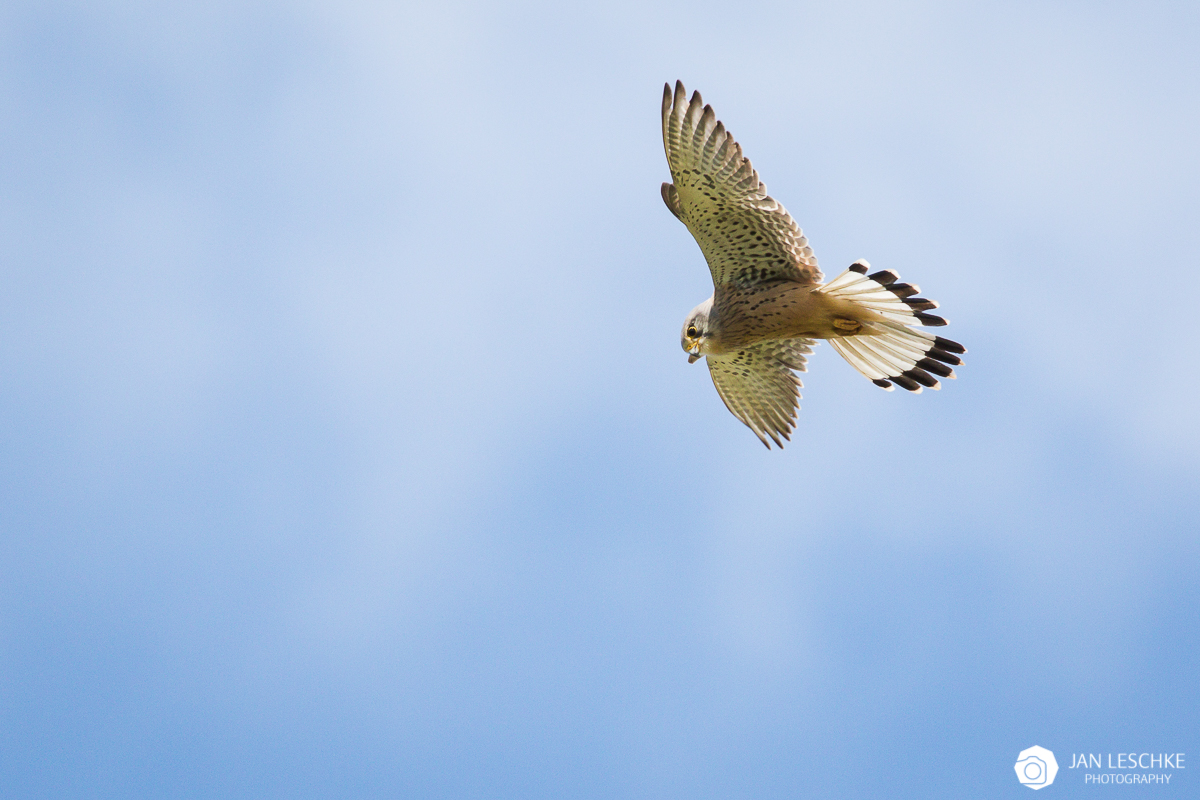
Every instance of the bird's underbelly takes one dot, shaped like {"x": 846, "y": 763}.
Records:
{"x": 786, "y": 311}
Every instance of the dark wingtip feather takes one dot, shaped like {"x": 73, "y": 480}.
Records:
{"x": 903, "y": 290}
{"x": 943, "y": 356}
{"x": 859, "y": 267}
{"x": 907, "y": 383}
{"x": 920, "y": 303}
{"x": 931, "y": 320}
{"x": 922, "y": 377}
{"x": 885, "y": 277}
{"x": 936, "y": 367}
{"x": 948, "y": 345}
{"x": 882, "y": 384}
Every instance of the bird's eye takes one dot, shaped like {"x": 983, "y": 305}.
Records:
{"x": 692, "y": 332}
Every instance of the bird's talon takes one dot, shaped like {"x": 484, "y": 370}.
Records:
{"x": 848, "y": 325}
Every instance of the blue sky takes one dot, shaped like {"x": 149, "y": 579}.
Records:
{"x": 348, "y": 449}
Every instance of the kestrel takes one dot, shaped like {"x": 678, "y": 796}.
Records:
{"x": 768, "y": 305}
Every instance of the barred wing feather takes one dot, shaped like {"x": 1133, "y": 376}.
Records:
{"x": 747, "y": 237}
{"x": 757, "y": 385}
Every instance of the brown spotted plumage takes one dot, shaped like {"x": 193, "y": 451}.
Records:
{"x": 768, "y": 305}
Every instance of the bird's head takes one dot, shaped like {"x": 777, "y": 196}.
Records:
{"x": 696, "y": 330}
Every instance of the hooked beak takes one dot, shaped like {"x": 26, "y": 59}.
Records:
{"x": 694, "y": 353}
{"x": 693, "y": 358}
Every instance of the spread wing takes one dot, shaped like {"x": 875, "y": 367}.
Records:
{"x": 758, "y": 386}
{"x": 747, "y": 237}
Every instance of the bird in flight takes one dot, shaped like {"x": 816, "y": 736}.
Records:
{"x": 769, "y": 305}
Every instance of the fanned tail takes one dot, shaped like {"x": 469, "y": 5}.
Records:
{"x": 894, "y": 350}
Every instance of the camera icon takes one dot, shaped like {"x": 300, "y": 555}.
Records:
{"x": 1031, "y": 770}
{"x": 1036, "y": 767}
